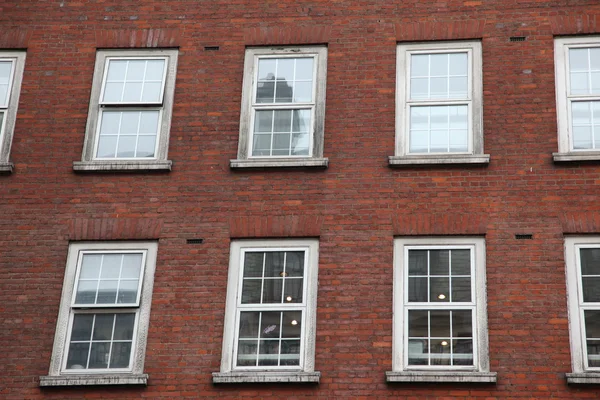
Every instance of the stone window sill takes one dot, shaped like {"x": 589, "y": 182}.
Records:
{"x": 90, "y": 379}
{"x": 266, "y": 377}
{"x": 123, "y": 165}
{"x": 280, "y": 163}
{"x": 416, "y": 160}
{"x": 6, "y": 167}
{"x": 583, "y": 378}
{"x": 576, "y": 156}
{"x": 440, "y": 377}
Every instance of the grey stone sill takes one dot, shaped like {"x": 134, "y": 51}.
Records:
{"x": 122, "y": 165}
{"x": 441, "y": 376}
{"x": 576, "y": 156}
{"x": 583, "y": 378}
{"x": 266, "y": 377}
{"x": 91, "y": 379}
{"x": 6, "y": 167}
{"x": 412, "y": 160}
{"x": 279, "y": 163}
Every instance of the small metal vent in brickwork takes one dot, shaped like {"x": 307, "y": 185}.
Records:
{"x": 517, "y": 38}
{"x": 524, "y": 236}
{"x": 195, "y": 241}
{"x": 211, "y": 48}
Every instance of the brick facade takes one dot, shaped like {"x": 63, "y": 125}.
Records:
{"x": 355, "y": 206}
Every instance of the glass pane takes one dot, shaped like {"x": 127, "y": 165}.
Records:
{"x": 1, "y": 121}
{"x": 595, "y": 58}
{"x": 438, "y": 64}
{"x": 283, "y": 121}
{"x": 136, "y": 70}
{"x": 578, "y": 60}
{"x": 461, "y": 289}
{"x": 285, "y": 69}
{"x": 418, "y": 323}
{"x": 593, "y": 350}
{"x": 111, "y": 266}
{"x": 249, "y": 321}
{"x": 440, "y": 324}
{"x": 116, "y": 70}
{"x": 151, "y": 93}
{"x": 78, "y": 354}
{"x": 459, "y": 64}
{"x": 439, "y": 117}
{"x": 251, "y": 290}
{"x": 126, "y": 146}
{"x": 461, "y": 262}
{"x": 292, "y": 322}
{"x": 272, "y": 290}
{"x": 107, "y": 146}
{"x": 440, "y": 288}
{"x": 128, "y": 292}
{"x": 5, "y": 77}
{"x": 274, "y": 263}
{"x": 103, "y": 327}
{"x": 253, "y": 264}
{"x": 86, "y": 292}
{"x": 132, "y": 266}
{"x": 418, "y": 352}
{"x": 581, "y": 113}
{"x": 82, "y": 327}
{"x": 458, "y": 117}
{"x": 265, "y": 92}
{"x": 146, "y": 146}
{"x": 419, "y": 65}
{"x": 304, "y": 68}
{"x": 290, "y": 352}
{"x": 110, "y": 123}
{"x": 590, "y": 261}
{"x": 459, "y": 141}
{"x": 294, "y": 263}
{"x": 130, "y": 122}
{"x": 263, "y": 121}
{"x": 439, "y": 262}
{"x": 438, "y": 141}
{"x": 419, "y": 88}
{"x": 293, "y": 290}
{"x": 459, "y": 87}
{"x": 417, "y": 289}
{"x": 269, "y": 352}
{"x": 90, "y": 266}
{"x": 462, "y": 325}
{"x": 579, "y": 83}
{"x": 266, "y": 68}
{"x": 261, "y": 145}
{"x": 303, "y": 92}
{"x": 463, "y": 352}
{"x": 155, "y": 70}
{"x": 582, "y": 137}
{"x": 438, "y": 87}
{"x": 417, "y": 262}
{"x": 149, "y": 122}
{"x": 247, "y": 353}
{"x": 107, "y": 292}
{"x": 132, "y": 92}
{"x": 113, "y": 91}
{"x": 440, "y": 351}
{"x": 595, "y": 82}
{"x": 270, "y": 324}
{"x": 124, "y": 327}
{"x": 283, "y": 92}
{"x": 281, "y": 143}
{"x": 419, "y": 118}
{"x": 120, "y": 355}
{"x": 592, "y": 324}
{"x": 591, "y": 289}
{"x": 300, "y": 144}
{"x": 99, "y": 355}
{"x": 302, "y": 121}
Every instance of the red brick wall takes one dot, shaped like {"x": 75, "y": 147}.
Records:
{"x": 356, "y": 206}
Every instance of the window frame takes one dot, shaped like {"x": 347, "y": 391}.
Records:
{"x": 304, "y": 372}
{"x": 581, "y": 373}
{"x": 566, "y": 152}
{"x": 474, "y": 102}
{"x": 7, "y": 125}
{"x": 248, "y": 108}
{"x": 479, "y": 372}
{"x": 89, "y": 160}
{"x": 58, "y": 374}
